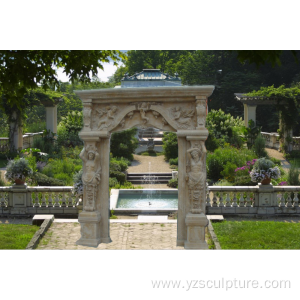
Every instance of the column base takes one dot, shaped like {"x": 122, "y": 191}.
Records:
{"x": 180, "y": 243}
{"x": 90, "y": 228}
{"x": 196, "y": 224}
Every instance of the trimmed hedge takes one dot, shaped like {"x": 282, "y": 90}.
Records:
{"x": 44, "y": 180}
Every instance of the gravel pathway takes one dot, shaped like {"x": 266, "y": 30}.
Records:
{"x": 278, "y": 155}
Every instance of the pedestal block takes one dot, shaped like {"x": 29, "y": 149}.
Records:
{"x": 196, "y": 224}
{"x": 90, "y": 228}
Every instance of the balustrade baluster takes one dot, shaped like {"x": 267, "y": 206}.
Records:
{"x": 36, "y": 201}
{"x": 214, "y": 200}
{"x": 242, "y": 202}
{"x": 221, "y": 201}
{"x": 56, "y": 200}
{"x": 296, "y": 199}
{"x": 282, "y": 200}
{"x": 289, "y": 200}
{"x": 248, "y": 200}
{"x": 228, "y": 202}
{"x": 2, "y": 204}
{"x": 31, "y": 200}
{"x": 50, "y": 200}
{"x": 208, "y": 199}
{"x": 234, "y": 200}
{"x": 70, "y": 199}
{"x": 43, "y": 200}
{"x": 63, "y": 200}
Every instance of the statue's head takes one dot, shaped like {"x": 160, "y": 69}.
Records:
{"x": 91, "y": 155}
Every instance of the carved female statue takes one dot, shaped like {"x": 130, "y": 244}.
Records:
{"x": 196, "y": 178}
{"x": 91, "y": 176}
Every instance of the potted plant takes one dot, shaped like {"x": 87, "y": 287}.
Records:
{"x": 263, "y": 171}
{"x": 18, "y": 170}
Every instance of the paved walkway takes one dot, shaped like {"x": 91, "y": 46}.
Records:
{"x": 125, "y": 236}
{"x": 278, "y": 155}
{"x": 144, "y": 164}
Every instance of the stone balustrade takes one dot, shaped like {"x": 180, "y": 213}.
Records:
{"x": 272, "y": 141}
{"x": 253, "y": 200}
{"x": 28, "y": 139}
{"x": 23, "y": 200}
{"x": 260, "y": 199}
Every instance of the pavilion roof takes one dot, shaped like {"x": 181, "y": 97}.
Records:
{"x": 151, "y": 74}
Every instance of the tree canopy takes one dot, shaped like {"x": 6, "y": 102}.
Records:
{"x": 21, "y": 70}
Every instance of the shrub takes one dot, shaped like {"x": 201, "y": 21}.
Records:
{"x": 173, "y": 183}
{"x": 170, "y": 145}
{"x": 67, "y": 179}
{"x": 44, "y": 180}
{"x": 118, "y": 164}
{"x": 223, "y": 128}
{"x": 118, "y": 175}
{"x": 124, "y": 144}
{"x": 217, "y": 160}
{"x": 173, "y": 161}
{"x": 112, "y": 182}
{"x": 229, "y": 171}
{"x": 73, "y": 121}
{"x": 293, "y": 175}
{"x": 259, "y": 146}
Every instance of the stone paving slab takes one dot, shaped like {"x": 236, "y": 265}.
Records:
{"x": 131, "y": 236}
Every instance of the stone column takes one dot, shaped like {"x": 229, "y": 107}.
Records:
{"x": 182, "y": 190}
{"x": 249, "y": 113}
{"x": 195, "y": 219}
{"x": 17, "y": 133}
{"x": 94, "y": 219}
{"x": 246, "y": 115}
{"x": 51, "y": 118}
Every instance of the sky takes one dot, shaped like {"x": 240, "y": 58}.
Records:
{"x": 109, "y": 70}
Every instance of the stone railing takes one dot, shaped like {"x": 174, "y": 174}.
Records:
{"x": 261, "y": 199}
{"x": 28, "y": 139}
{"x": 23, "y": 200}
{"x": 272, "y": 141}
{"x": 220, "y": 200}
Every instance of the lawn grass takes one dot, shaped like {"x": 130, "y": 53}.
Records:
{"x": 13, "y": 236}
{"x": 258, "y": 235}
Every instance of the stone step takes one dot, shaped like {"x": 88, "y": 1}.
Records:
{"x": 139, "y": 181}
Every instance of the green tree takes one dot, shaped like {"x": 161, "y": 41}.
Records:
{"x": 123, "y": 144}
{"x": 170, "y": 145}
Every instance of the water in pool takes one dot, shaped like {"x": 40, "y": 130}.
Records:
{"x": 150, "y": 200}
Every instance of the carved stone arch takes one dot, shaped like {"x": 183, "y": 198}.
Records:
{"x": 155, "y": 116}
{"x": 178, "y": 109}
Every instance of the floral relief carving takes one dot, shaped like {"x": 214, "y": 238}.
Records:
{"x": 91, "y": 175}
{"x": 196, "y": 176}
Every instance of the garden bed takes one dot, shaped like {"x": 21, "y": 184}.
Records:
{"x": 257, "y": 235}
